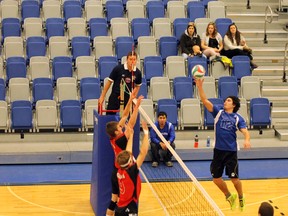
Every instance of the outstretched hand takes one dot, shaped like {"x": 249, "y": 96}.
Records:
{"x": 144, "y": 125}
{"x": 199, "y": 82}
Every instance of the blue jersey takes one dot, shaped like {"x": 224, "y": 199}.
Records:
{"x": 168, "y": 133}
{"x": 225, "y": 126}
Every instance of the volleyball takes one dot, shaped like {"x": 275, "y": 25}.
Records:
{"x": 198, "y": 71}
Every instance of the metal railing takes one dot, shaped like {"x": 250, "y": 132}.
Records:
{"x": 248, "y": 4}
{"x": 284, "y": 62}
{"x": 267, "y": 20}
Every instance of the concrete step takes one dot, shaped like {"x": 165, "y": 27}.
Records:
{"x": 259, "y": 33}
{"x": 275, "y": 91}
{"x": 271, "y": 42}
{"x": 279, "y": 112}
{"x": 259, "y": 24}
{"x": 255, "y": 7}
{"x": 282, "y": 134}
{"x": 260, "y": 16}
{"x": 269, "y": 60}
{"x": 268, "y": 71}
{"x": 277, "y": 52}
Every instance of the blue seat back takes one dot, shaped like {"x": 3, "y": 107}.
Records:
{"x": 143, "y": 88}
{"x": 168, "y": 47}
{"x": 2, "y": 89}
{"x": 16, "y": 67}
{"x": 179, "y": 26}
{"x": 260, "y": 112}
{"x": 98, "y": 27}
{"x": 62, "y": 67}
{"x": 195, "y": 9}
{"x": 153, "y": 67}
{"x": 80, "y": 46}
{"x": 30, "y": 8}
{"x": 241, "y": 67}
{"x": 123, "y": 45}
{"x": 114, "y": 9}
{"x": 21, "y": 115}
{"x": 10, "y": 27}
{"x": 222, "y": 25}
{"x": 140, "y": 27}
{"x": 182, "y": 88}
{"x": 106, "y": 65}
{"x": 170, "y": 107}
{"x": 71, "y": 8}
{"x": 70, "y": 114}
{"x": 89, "y": 88}
{"x": 35, "y": 46}
{"x": 227, "y": 86}
{"x": 42, "y": 89}
{"x": 54, "y": 27}
{"x": 155, "y": 9}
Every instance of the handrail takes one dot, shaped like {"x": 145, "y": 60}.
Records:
{"x": 284, "y": 62}
{"x": 267, "y": 20}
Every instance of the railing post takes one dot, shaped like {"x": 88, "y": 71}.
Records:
{"x": 284, "y": 63}
{"x": 267, "y": 20}
{"x": 248, "y": 4}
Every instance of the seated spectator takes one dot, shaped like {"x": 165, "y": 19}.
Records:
{"x": 190, "y": 42}
{"x": 167, "y": 130}
{"x": 211, "y": 42}
{"x": 235, "y": 44}
{"x": 266, "y": 209}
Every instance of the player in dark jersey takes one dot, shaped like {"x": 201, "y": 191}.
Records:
{"x": 119, "y": 139}
{"x": 127, "y": 179}
{"x": 227, "y": 121}
{"x": 133, "y": 80}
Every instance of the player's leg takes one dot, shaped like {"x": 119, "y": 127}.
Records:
{"x": 155, "y": 154}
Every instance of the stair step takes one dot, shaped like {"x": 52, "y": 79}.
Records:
{"x": 279, "y": 112}
{"x": 268, "y": 70}
{"x": 282, "y": 134}
{"x": 249, "y": 16}
{"x": 275, "y": 91}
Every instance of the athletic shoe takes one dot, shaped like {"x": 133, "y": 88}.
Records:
{"x": 242, "y": 203}
{"x": 232, "y": 201}
{"x": 169, "y": 164}
{"x": 155, "y": 164}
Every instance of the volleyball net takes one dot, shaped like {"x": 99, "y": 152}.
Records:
{"x": 177, "y": 189}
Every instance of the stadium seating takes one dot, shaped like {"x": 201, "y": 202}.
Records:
{"x": 208, "y": 118}
{"x": 260, "y": 112}
{"x": 21, "y": 115}
{"x": 70, "y": 115}
{"x": 170, "y": 107}
{"x": 227, "y": 86}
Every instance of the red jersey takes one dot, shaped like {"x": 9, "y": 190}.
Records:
{"x": 118, "y": 144}
{"x": 129, "y": 183}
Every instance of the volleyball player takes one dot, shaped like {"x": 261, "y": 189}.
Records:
{"x": 227, "y": 121}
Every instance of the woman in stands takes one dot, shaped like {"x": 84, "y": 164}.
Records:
{"x": 235, "y": 44}
{"x": 211, "y": 42}
{"x": 190, "y": 42}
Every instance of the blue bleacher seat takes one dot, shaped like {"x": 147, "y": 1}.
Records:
{"x": 170, "y": 107}
{"x": 2, "y": 90}
{"x": 80, "y": 46}
{"x": 123, "y": 45}
{"x": 153, "y": 67}
{"x": 179, "y": 27}
{"x": 241, "y": 67}
{"x": 62, "y": 67}
{"x": 260, "y": 112}
{"x": 10, "y": 27}
{"x": 71, "y": 8}
{"x": 143, "y": 88}
{"x": 154, "y": 9}
{"x": 106, "y": 65}
{"x": 42, "y": 89}
{"x": 114, "y": 8}
{"x": 195, "y": 61}
{"x": 195, "y": 9}
{"x": 54, "y": 27}
{"x": 89, "y": 88}
{"x": 15, "y": 67}
{"x": 227, "y": 86}
{"x": 182, "y": 88}
{"x": 21, "y": 115}
{"x": 222, "y": 25}
{"x": 97, "y": 27}
{"x": 30, "y": 8}
{"x": 70, "y": 114}
{"x": 140, "y": 27}
{"x": 35, "y": 46}
{"x": 168, "y": 47}
{"x": 208, "y": 117}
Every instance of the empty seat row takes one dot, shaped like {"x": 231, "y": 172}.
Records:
{"x": 47, "y": 115}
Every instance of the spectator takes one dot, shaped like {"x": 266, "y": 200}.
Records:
{"x": 211, "y": 42}
{"x": 122, "y": 72}
{"x": 235, "y": 44}
{"x": 190, "y": 42}
{"x": 167, "y": 130}
{"x": 266, "y": 209}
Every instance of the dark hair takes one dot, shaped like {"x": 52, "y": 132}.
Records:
{"x": 237, "y": 34}
{"x": 162, "y": 113}
{"x": 236, "y": 102}
{"x": 215, "y": 29}
{"x": 266, "y": 209}
{"x": 194, "y": 26}
{"x": 111, "y": 127}
{"x": 132, "y": 53}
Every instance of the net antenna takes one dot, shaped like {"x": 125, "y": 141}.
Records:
{"x": 179, "y": 193}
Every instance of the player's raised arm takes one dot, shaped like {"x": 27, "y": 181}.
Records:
{"x": 127, "y": 109}
{"x": 129, "y": 145}
{"x": 144, "y": 146}
{"x": 203, "y": 97}
{"x": 134, "y": 115}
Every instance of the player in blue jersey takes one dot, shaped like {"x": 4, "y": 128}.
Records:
{"x": 227, "y": 121}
